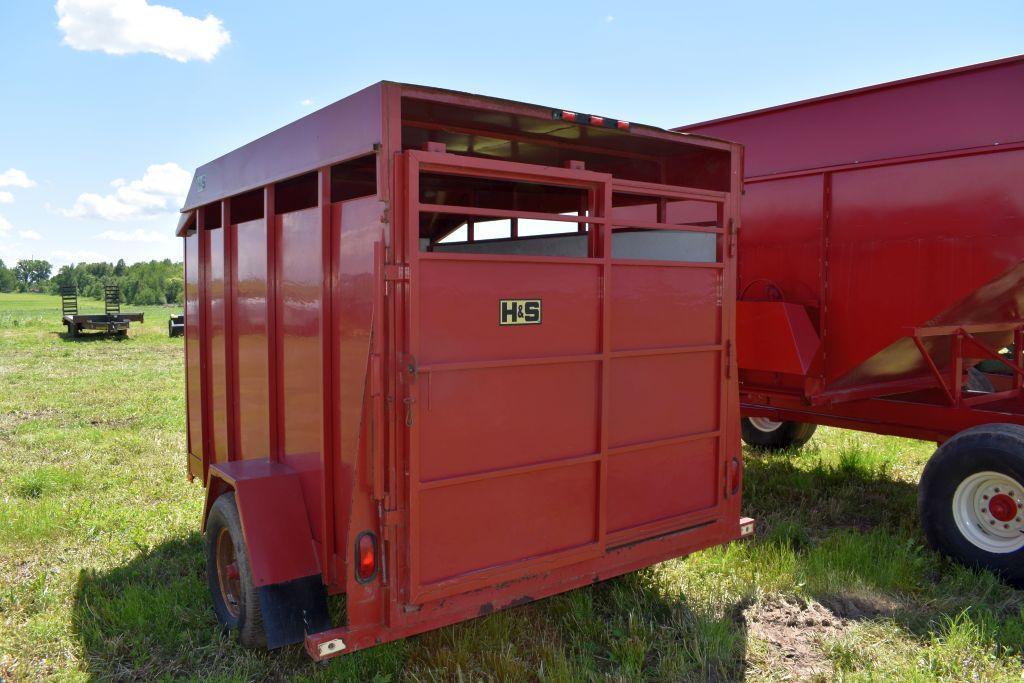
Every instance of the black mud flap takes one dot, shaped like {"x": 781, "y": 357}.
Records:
{"x": 292, "y": 609}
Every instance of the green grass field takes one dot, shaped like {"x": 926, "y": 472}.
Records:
{"x": 102, "y": 570}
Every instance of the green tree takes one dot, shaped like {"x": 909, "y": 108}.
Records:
{"x": 31, "y": 273}
{"x": 120, "y": 268}
{"x": 8, "y": 281}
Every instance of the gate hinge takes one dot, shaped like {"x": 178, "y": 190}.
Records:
{"x": 394, "y": 272}
{"x": 733, "y": 231}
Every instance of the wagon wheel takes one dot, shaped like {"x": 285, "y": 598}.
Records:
{"x": 229, "y": 575}
{"x": 971, "y": 499}
{"x": 774, "y": 435}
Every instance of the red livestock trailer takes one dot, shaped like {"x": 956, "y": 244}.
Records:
{"x": 448, "y": 353}
{"x": 881, "y": 284}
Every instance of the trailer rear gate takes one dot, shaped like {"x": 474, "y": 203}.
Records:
{"x": 519, "y": 327}
{"x": 600, "y": 424}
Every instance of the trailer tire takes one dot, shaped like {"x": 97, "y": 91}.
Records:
{"x": 773, "y": 435}
{"x": 229, "y": 575}
{"x": 971, "y": 500}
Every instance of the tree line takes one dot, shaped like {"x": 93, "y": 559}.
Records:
{"x": 142, "y": 284}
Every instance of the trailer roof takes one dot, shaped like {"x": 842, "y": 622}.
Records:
{"x": 353, "y": 126}
{"x": 855, "y": 92}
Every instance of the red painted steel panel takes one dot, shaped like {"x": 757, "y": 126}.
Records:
{"x": 339, "y": 131}
{"x": 774, "y": 336}
{"x": 664, "y": 396}
{"x": 934, "y": 232}
{"x": 975, "y": 107}
{"x": 192, "y": 341}
{"x": 217, "y": 336}
{"x": 686, "y": 301}
{"x": 505, "y": 519}
{"x": 662, "y": 482}
{"x": 781, "y": 241}
{"x": 550, "y": 411}
{"x": 460, "y": 308}
{"x": 300, "y": 274}
{"x": 902, "y": 209}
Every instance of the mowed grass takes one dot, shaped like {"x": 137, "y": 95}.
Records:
{"x": 102, "y": 571}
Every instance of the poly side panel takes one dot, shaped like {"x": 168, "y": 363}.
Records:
{"x": 299, "y": 290}
{"x": 780, "y": 240}
{"x": 660, "y": 483}
{"x": 360, "y": 226}
{"x": 909, "y": 242}
{"x": 505, "y": 519}
{"x": 487, "y": 419}
{"x": 217, "y": 336}
{"x": 683, "y": 300}
{"x": 664, "y": 396}
{"x": 460, "y": 308}
{"x": 250, "y": 322}
{"x": 192, "y": 336}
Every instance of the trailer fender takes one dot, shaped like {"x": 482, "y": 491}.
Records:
{"x": 282, "y": 553}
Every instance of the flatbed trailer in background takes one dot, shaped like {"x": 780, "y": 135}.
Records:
{"x": 111, "y": 321}
{"x": 447, "y": 353}
{"x": 881, "y": 285}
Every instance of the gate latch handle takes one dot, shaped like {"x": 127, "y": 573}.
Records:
{"x": 408, "y": 401}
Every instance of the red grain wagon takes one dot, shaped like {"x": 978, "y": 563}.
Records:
{"x": 881, "y": 284}
{"x": 447, "y": 353}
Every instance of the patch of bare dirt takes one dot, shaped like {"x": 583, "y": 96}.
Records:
{"x": 794, "y": 629}
{"x": 17, "y": 417}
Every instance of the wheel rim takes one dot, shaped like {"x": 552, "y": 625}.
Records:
{"x": 763, "y": 424}
{"x": 988, "y": 508}
{"x": 228, "y": 577}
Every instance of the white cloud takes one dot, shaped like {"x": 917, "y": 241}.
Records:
{"x": 121, "y": 27}
{"x": 6, "y": 197}
{"x": 609, "y": 19}
{"x": 306, "y": 102}
{"x": 138, "y": 235}
{"x": 12, "y": 177}
{"x": 161, "y": 190}
{"x": 5, "y": 226}
{"x": 29, "y": 235}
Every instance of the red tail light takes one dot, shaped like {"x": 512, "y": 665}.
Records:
{"x": 366, "y": 556}
{"x": 735, "y": 471}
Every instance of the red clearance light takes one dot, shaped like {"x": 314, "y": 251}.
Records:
{"x": 366, "y": 556}
{"x": 592, "y": 119}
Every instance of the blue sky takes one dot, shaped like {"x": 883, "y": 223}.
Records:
{"x": 107, "y": 106}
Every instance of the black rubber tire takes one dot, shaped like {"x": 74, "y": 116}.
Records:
{"x": 788, "y": 435}
{"x": 991, "y": 447}
{"x": 249, "y": 621}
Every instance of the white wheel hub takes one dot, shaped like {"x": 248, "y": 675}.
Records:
{"x": 763, "y": 424}
{"x": 988, "y": 508}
